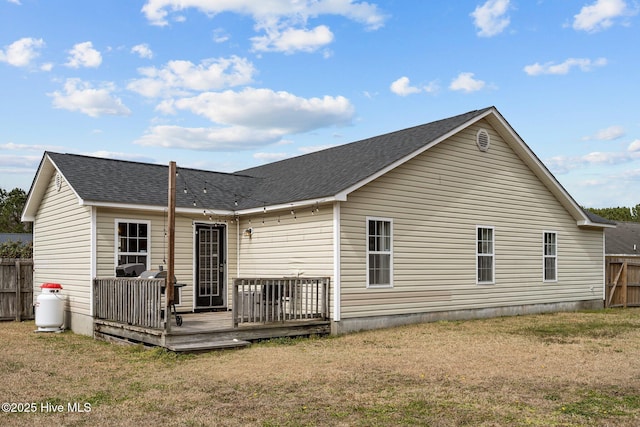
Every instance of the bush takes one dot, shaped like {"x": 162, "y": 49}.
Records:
{"x": 16, "y": 250}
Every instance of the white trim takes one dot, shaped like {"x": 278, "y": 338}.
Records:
{"x": 238, "y": 240}
{"x": 604, "y": 267}
{"x": 544, "y": 256}
{"x": 288, "y": 206}
{"x": 390, "y": 252}
{"x": 116, "y": 251}
{"x": 225, "y": 258}
{"x": 336, "y": 261}
{"x": 493, "y": 254}
{"x": 94, "y": 257}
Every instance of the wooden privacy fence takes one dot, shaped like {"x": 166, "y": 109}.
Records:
{"x": 16, "y": 289}
{"x": 280, "y": 300}
{"x": 132, "y": 301}
{"x": 623, "y": 282}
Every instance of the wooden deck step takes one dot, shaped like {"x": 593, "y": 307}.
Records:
{"x": 206, "y": 346}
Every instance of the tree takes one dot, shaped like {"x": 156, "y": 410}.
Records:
{"x": 11, "y": 206}
{"x": 621, "y": 213}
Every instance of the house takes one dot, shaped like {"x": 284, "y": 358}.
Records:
{"x": 15, "y": 237}
{"x": 453, "y": 219}
{"x": 623, "y": 241}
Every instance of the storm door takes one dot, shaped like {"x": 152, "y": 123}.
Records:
{"x": 210, "y": 263}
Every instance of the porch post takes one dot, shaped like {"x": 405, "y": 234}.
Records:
{"x": 171, "y": 214}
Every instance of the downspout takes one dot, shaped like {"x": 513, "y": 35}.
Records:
{"x": 336, "y": 261}
{"x": 237, "y": 247}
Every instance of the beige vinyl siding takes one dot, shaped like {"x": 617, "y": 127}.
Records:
{"x": 184, "y": 246}
{"x": 62, "y": 249}
{"x": 436, "y": 200}
{"x": 300, "y": 246}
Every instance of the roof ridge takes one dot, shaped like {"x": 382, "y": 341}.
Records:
{"x": 109, "y": 159}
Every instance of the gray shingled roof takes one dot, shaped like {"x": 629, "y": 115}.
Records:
{"x": 328, "y": 172}
{"x": 116, "y": 181}
{"x": 309, "y": 177}
{"x": 312, "y": 176}
{"x": 621, "y": 240}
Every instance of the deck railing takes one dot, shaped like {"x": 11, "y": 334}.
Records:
{"x": 280, "y": 300}
{"x": 132, "y": 301}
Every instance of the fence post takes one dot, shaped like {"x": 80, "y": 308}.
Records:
{"x": 18, "y": 291}
{"x": 624, "y": 284}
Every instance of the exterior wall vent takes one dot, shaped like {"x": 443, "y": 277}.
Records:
{"x": 58, "y": 181}
{"x": 483, "y": 141}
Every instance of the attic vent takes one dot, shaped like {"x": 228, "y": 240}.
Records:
{"x": 58, "y": 181}
{"x": 482, "y": 139}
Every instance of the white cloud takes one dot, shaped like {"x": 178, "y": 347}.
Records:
{"x": 26, "y": 147}
{"x": 47, "y": 66}
{"x": 81, "y": 96}
{"x": 490, "y": 18}
{"x": 283, "y": 21}
{"x": 220, "y": 35}
{"x": 292, "y": 40}
{"x": 267, "y": 109}
{"x": 84, "y": 55}
{"x": 599, "y": 15}
{"x": 21, "y": 52}
{"x": 270, "y": 157}
{"x": 247, "y": 119}
{"x": 16, "y": 163}
{"x": 182, "y": 77}
{"x": 142, "y": 50}
{"x": 466, "y": 83}
{"x": 156, "y": 11}
{"x": 402, "y": 87}
{"x": 314, "y": 148}
{"x": 15, "y": 2}
{"x": 584, "y": 64}
{"x": 211, "y": 139}
{"x": 564, "y": 164}
{"x": 608, "y": 134}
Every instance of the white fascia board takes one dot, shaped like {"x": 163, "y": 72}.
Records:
{"x": 155, "y": 208}
{"x": 342, "y": 196}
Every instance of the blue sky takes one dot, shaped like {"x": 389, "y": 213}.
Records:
{"x": 229, "y": 84}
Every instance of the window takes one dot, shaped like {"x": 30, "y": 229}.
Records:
{"x": 485, "y": 255}
{"x": 132, "y": 242}
{"x": 379, "y": 252}
{"x": 550, "y": 256}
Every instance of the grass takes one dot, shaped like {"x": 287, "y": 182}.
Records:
{"x": 563, "y": 369}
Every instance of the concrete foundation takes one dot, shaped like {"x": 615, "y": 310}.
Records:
{"x": 79, "y": 323}
{"x": 345, "y": 326}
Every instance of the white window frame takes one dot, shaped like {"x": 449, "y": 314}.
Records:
{"x": 545, "y": 256}
{"x": 116, "y": 238}
{"x": 386, "y": 252}
{"x": 492, "y": 254}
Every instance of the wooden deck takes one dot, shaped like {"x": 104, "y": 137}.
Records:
{"x": 205, "y": 331}
{"x": 132, "y": 310}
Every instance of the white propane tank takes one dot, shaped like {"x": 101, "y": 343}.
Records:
{"x": 50, "y": 308}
